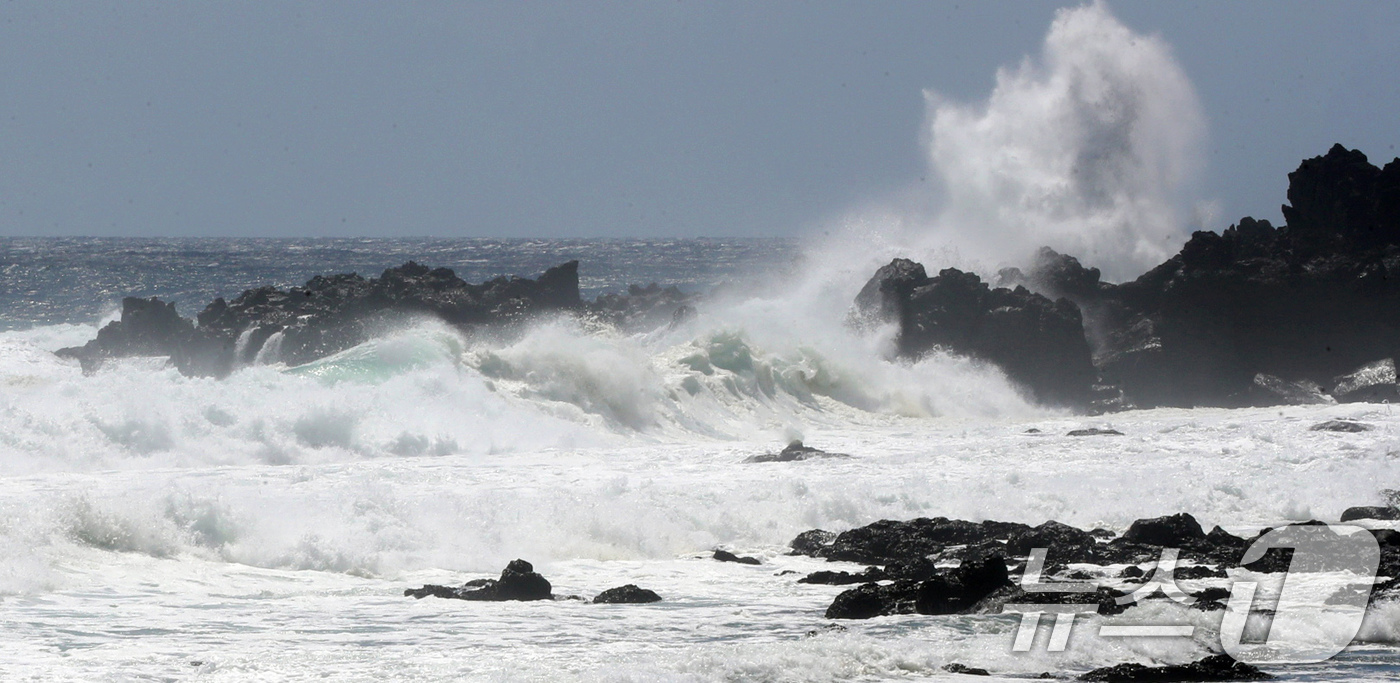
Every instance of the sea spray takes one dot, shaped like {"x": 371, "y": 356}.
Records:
{"x": 1091, "y": 149}
{"x": 1094, "y": 147}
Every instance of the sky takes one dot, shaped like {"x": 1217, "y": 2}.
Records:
{"x": 601, "y": 119}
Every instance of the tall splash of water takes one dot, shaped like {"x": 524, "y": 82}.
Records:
{"x": 1090, "y": 149}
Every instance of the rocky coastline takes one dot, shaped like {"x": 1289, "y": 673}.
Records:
{"x": 1256, "y": 315}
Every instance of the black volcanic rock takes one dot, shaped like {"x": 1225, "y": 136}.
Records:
{"x": 1253, "y": 315}
{"x": 874, "y": 600}
{"x": 518, "y": 582}
{"x": 884, "y": 296}
{"x": 1062, "y": 275}
{"x": 1213, "y": 668}
{"x": 956, "y": 668}
{"x": 811, "y": 543}
{"x": 1066, "y": 541}
{"x": 889, "y": 541}
{"x": 870, "y": 575}
{"x": 1173, "y": 531}
{"x": 1306, "y": 302}
{"x": 629, "y": 594}
{"x": 951, "y": 591}
{"x": 1341, "y": 200}
{"x": 980, "y": 585}
{"x": 1385, "y": 512}
{"x": 148, "y": 327}
{"x": 327, "y": 315}
{"x": 959, "y": 590}
{"x": 726, "y": 556}
{"x": 794, "y": 452}
{"x": 1038, "y": 342}
{"x": 333, "y": 313}
{"x": 1101, "y": 600}
{"x": 643, "y": 308}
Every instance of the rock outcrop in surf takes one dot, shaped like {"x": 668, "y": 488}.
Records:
{"x": 1255, "y": 315}
{"x": 332, "y": 313}
{"x": 519, "y": 581}
{"x": 909, "y": 570}
{"x": 1038, "y": 342}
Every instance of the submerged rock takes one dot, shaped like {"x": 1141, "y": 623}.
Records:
{"x": 956, "y": 668}
{"x": 1094, "y": 431}
{"x": 726, "y": 556}
{"x": 629, "y": 594}
{"x": 793, "y": 452}
{"x": 1340, "y": 426}
{"x": 1213, "y": 668}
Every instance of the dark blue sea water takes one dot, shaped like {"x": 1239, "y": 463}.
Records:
{"x": 79, "y": 279}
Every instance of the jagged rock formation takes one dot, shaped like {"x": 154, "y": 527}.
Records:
{"x": 333, "y": 313}
{"x": 908, "y": 560}
{"x": 1039, "y": 343}
{"x": 1255, "y": 315}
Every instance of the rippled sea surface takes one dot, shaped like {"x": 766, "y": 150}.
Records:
{"x": 62, "y": 280}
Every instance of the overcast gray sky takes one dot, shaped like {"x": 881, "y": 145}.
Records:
{"x": 596, "y": 119}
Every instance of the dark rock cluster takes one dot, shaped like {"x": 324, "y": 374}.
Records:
{"x": 1038, "y": 342}
{"x": 519, "y": 581}
{"x": 726, "y": 556}
{"x": 1213, "y": 668}
{"x": 333, "y": 313}
{"x": 947, "y": 566}
{"x": 1255, "y": 315}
